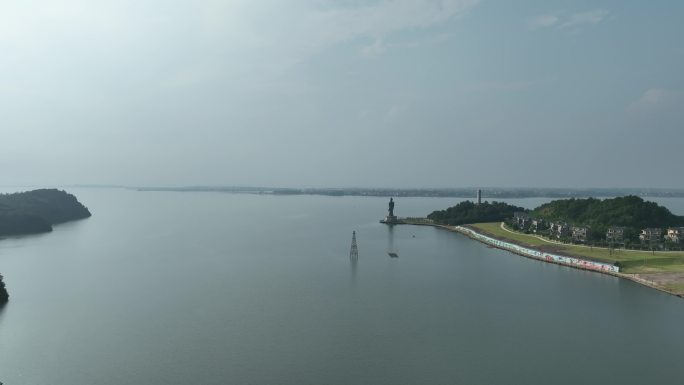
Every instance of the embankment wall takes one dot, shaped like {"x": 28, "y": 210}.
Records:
{"x": 536, "y": 254}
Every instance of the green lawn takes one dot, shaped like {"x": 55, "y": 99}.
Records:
{"x": 496, "y": 230}
{"x": 631, "y": 261}
{"x": 675, "y": 287}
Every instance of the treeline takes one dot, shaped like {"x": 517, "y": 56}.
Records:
{"x": 469, "y": 212}
{"x": 4, "y": 297}
{"x": 630, "y": 211}
{"x": 36, "y": 211}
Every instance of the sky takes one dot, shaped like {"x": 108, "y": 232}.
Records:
{"x": 323, "y": 93}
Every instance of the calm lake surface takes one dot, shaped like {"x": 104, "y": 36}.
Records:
{"x": 210, "y": 288}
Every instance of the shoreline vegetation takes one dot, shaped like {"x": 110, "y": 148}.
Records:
{"x": 587, "y": 242}
{"x": 33, "y": 212}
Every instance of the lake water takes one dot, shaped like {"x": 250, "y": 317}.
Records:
{"x": 209, "y": 288}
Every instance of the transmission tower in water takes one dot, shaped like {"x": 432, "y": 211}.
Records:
{"x": 354, "y": 252}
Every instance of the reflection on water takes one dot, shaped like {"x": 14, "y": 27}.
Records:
{"x": 353, "y": 254}
{"x": 353, "y": 262}
{"x": 390, "y": 239}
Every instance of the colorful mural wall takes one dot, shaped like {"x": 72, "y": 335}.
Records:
{"x": 576, "y": 262}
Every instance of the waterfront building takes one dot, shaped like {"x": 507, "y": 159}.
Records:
{"x": 615, "y": 234}
{"x": 675, "y": 234}
{"x": 651, "y": 235}
{"x": 559, "y": 230}
{"x": 581, "y": 234}
{"x": 521, "y": 219}
{"x": 538, "y": 225}
{"x": 552, "y": 228}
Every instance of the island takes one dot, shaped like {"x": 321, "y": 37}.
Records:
{"x": 625, "y": 236}
{"x": 34, "y": 212}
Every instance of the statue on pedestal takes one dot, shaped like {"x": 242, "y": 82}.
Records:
{"x": 390, "y": 219}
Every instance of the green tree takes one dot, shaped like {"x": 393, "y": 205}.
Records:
{"x": 631, "y": 212}
{"x": 469, "y": 212}
{"x": 4, "y": 297}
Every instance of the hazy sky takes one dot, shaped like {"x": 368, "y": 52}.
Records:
{"x": 415, "y": 93}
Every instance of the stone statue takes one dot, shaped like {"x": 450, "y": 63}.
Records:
{"x": 391, "y": 208}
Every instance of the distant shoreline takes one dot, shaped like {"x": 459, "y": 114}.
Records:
{"x": 490, "y": 193}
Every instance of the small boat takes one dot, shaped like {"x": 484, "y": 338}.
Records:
{"x": 393, "y": 255}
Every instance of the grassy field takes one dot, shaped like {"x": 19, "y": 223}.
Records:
{"x": 630, "y": 261}
{"x": 675, "y": 287}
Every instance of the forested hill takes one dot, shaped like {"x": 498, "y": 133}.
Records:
{"x": 629, "y": 211}
{"x": 36, "y": 211}
{"x": 469, "y": 212}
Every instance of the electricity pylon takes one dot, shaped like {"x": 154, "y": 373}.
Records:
{"x": 354, "y": 252}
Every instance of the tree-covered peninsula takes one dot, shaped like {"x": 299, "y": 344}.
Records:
{"x": 469, "y": 212}
{"x": 36, "y": 211}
